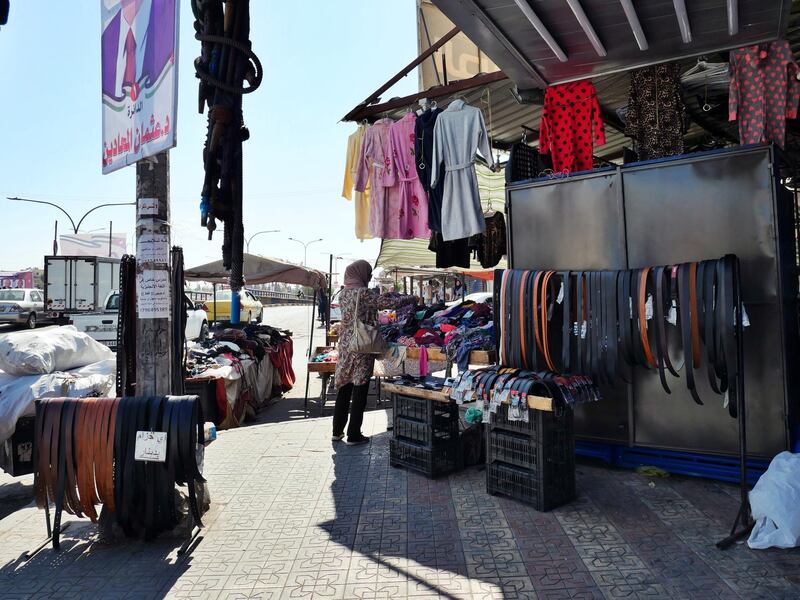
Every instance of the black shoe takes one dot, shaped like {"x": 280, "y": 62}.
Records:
{"x": 357, "y": 440}
{"x": 337, "y": 437}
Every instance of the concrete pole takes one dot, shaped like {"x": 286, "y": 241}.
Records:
{"x": 153, "y": 282}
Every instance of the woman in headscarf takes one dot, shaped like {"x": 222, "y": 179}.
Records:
{"x": 353, "y": 370}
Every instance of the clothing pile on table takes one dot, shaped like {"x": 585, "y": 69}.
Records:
{"x": 327, "y": 355}
{"x": 416, "y": 178}
{"x": 250, "y": 365}
{"x": 458, "y": 330}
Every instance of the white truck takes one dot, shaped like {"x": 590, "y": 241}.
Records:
{"x": 102, "y": 325}
{"x": 77, "y": 284}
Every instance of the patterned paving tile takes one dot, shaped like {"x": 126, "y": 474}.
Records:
{"x": 293, "y": 518}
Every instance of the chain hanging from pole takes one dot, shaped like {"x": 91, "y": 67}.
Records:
{"x": 226, "y": 61}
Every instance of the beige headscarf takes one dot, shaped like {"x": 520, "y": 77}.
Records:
{"x": 357, "y": 275}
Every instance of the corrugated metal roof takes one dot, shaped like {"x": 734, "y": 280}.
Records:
{"x": 503, "y": 31}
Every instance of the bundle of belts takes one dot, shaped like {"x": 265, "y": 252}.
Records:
{"x": 611, "y": 321}
{"x": 126, "y": 327}
{"x": 225, "y": 61}
{"x": 84, "y": 456}
{"x": 179, "y": 318}
{"x": 497, "y": 385}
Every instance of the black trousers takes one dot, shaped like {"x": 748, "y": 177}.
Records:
{"x": 356, "y": 409}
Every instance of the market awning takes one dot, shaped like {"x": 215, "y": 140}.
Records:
{"x": 552, "y": 41}
{"x": 260, "y": 269}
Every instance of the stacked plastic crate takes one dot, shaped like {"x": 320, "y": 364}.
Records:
{"x": 425, "y": 435}
{"x": 533, "y": 461}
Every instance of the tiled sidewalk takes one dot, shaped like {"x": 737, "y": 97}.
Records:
{"x": 294, "y": 516}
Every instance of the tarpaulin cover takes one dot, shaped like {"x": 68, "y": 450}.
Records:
{"x": 260, "y": 269}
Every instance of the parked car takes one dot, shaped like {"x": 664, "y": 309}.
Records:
{"x": 22, "y": 307}
{"x": 102, "y": 326}
{"x": 477, "y": 297}
{"x": 251, "y": 307}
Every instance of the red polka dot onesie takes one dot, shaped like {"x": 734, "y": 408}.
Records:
{"x": 764, "y": 91}
{"x": 571, "y": 121}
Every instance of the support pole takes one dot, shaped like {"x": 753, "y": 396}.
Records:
{"x": 110, "y": 230}
{"x": 154, "y": 292}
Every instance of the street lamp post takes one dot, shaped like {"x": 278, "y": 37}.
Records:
{"x": 305, "y": 247}
{"x": 248, "y": 240}
{"x": 75, "y": 227}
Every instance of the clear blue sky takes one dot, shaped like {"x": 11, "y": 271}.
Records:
{"x": 320, "y": 57}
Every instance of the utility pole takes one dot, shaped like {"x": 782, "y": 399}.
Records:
{"x": 153, "y": 278}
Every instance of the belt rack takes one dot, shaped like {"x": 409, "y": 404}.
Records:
{"x": 85, "y": 455}
{"x": 604, "y": 326}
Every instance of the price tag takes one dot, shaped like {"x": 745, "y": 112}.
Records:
{"x": 151, "y": 446}
{"x": 561, "y": 294}
{"x": 648, "y": 307}
{"x": 583, "y": 330}
{"x": 672, "y": 316}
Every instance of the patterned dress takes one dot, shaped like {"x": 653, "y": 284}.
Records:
{"x": 571, "y": 120}
{"x": 352, "y": 367}
{"x": 655, "y": 117}
{"x": 764, "y": 91}
{"x": 413, "y": 198}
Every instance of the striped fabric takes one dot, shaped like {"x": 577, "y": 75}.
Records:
{"x": 415, "y": 253}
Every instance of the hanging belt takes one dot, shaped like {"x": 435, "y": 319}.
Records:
{"x": 566, "y": 333}
{"x": 685, "y": 296}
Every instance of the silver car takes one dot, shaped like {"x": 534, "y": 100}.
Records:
{"x": 21, "y": 306}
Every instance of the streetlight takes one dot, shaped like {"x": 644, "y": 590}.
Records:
{"x": 248, "y": 240}
{"x": 305, "y": 247}
{"x": 75, "y": 228}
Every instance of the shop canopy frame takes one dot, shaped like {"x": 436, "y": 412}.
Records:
{"x": 516, "y": 101}
{"x": 261, "y": 269}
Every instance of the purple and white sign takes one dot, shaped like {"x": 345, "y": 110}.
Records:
{"x": 139, "y": 51}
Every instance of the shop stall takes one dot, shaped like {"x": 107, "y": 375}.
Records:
{"x": 241, "y": 368}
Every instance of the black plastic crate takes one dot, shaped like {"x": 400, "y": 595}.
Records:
{"x": 432, "y": 462}
{"x": 412, "y": 408}
{"x": 538, "y": 421}
{"x": 543, "y": 491}
{"x": 433, "y": 412}
{"x": 444, "y": 430}
{"x": 513, "y": 448}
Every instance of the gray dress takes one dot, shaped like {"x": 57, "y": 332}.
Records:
{"x": 459, "y": 133}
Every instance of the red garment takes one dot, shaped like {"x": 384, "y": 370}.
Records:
{"x": 764, "y": 91}
{"x": 570, "y": 121}
{"x": 281, "y": 358}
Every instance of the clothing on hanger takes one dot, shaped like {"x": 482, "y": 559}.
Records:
{"x": 490, "y": 246}
{"x": 571, "y": 121}
{"x": 764, "y": 91}
{"x": 423, "y": 150}
{"x": 376, "y": 167}
{"x": 361, "y": 199}
{"x": 655, "y": 117}
{"x": 454, "y": 253}
{"x": 459, "y": 133}
{"x": 413, "y": 198}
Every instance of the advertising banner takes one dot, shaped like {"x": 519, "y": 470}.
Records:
{"x": 139, "y": 51}
{"x": 93, "y": 244}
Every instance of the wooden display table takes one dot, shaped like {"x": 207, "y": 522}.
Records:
{"x": 476, "y": 357}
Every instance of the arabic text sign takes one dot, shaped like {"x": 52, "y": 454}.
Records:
{"x": 139, "y": 47}
{"x": 151, "y": 446}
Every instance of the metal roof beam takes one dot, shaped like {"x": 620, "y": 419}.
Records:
{"x": 375, "y": 96}
{"x": 636, "y": 26}
{"x": 683, "y": 20}
{"x": 587, "y": 27}
{"x": 501, "y": 37}
{"x": 733, "y": 17}
{"x": 363, "y": 112}
{"x": 541, "y": 29}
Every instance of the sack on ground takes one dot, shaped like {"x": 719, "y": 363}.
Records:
{"x": 775, "y": 504}
{"x": 50, "y": 349}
